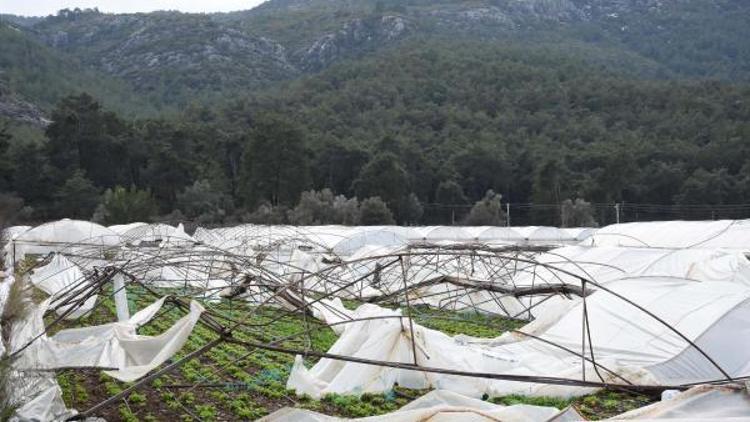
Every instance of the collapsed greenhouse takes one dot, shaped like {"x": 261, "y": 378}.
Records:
{"x": 387, "y": 323}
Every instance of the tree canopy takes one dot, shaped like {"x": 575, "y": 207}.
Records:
{"x": 427, "y": 130}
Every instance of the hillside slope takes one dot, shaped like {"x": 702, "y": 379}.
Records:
{"x": 509, "y": 118}
{"x": 35, "y": 74}
{"x": 167, "y": 56}
{"x": 173, "y": 59}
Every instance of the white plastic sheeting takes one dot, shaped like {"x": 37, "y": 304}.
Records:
{"x": 346, "y": 240}
{"x": 438, "y": 406}
{"x": 61, "y": 235}
{"x": 495, "y": 234}
{"x": 165, "y": 234}
{"x": 606, "y": 263}
{"x": 115, "y": 345}
{"x": 730, "y": 234}
{"x": 625, "y": 339}
{"x": 699, "y": 404}
{"x": 124, "y": 228}
{"x": 441, "y": 233}
{"x": 58, "y": 278}
{"x": 13, "y": 231}
{"x": 333, "y": 312}
{"x": 579, "y": 233}
{"x": 534, "y": 235}
{"x": 544, "y": 234}
{"x": 121, "y": 298}
{"x": 46, "y": 406}
{"x": 258, "y": 236}
{"x": 701, "y": 290}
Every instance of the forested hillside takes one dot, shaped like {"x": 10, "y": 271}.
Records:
{"x": 420, "y": 110}
{"x": 444, "y": 121}
{"x": 44, "y": 76}
{"x": 173, "y": 59}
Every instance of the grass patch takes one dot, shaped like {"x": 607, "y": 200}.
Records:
{"x": 468, "y": 323}
{"x": 601, "y": 405}
{"x": 607, "y": 403}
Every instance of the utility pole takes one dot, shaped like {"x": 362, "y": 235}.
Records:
{"x": 617, "y": 211}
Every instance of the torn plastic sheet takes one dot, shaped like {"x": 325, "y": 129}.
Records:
{"x": 115, "y": 345}
{"x": 440, "y": 405}
{"x": 627, "y": 341}
{"x": 58, "y": 278}
{"x": 47, "y": 406}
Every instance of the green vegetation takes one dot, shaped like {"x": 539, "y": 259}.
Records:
{"x": 154, "y": 62}
{"x": 487, "y": 212}
{"x": 469, "y": 323}
{"x": 688, "y": 38}
{"x": 16, "y": 307}
{"x": 465, "y": 119}
{"x": 364, "y": 405}
{"x": 120, "y": 206}
{"x": 245, "y": 384}
{"x": 45, "y": 76}
{"x": 601, "y": 405}
{"x": 7, "y": 406}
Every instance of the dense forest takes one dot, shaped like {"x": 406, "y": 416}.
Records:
{"x": 429, "y": 132}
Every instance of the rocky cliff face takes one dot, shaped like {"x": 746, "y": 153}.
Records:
{"x": 155, "y": 49}
{"x": 359, "y": 35}
{"x": 201, "y": 52}
{"x": 13, "y": 107}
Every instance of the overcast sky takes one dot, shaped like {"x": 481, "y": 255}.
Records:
{"x": 48, "y": 7}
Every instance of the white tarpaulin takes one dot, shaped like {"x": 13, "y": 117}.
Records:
{"x": 628, "y": 341}
{"x": 59, "y": 278}
{"x": 114, "y": 345}
{"x": 728, "y": 234}
{"x": 608, "y": 263}
{"x": 61, "y": 235}
{"x": 439, "y": 406}
{"x": 164, "y": 234}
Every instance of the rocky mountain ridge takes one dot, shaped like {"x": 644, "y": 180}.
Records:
{"x": 174, "y": 58}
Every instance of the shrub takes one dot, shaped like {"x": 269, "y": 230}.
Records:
{"x": 487, "y": 212}
{"x": 11, "y": 207}
{"x": 77, "y": 197}
{"x": 267, "y": 214}
{"x": 120, "y": 205}
{"x": 323, "y": 207}
{"x": 374, "y": 211}
{"x": 411, "y": 209}
{"x": 577, "y": 214}
{"x": 203, "y": 203}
